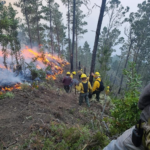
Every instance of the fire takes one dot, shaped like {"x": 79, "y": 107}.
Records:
{"x": 44, "y": 60}
{"x": 52, "y": 64}
{"x": 17, "y": 86}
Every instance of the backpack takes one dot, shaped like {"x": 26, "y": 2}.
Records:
{"x": 85, "y": 86}
{"x": 141, "y": 135}
{"x": 102, "y": 87}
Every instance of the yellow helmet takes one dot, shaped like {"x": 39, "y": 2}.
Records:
{"x": 74, "y": 73}
{"x": 83, "y": 76}
{"x": 68, "y": 73}
{"x": 81, "y": 69}
{"x": 108, "y": 87}
{"x": 97, "y": 74}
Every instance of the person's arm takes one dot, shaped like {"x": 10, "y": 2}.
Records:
{"x": 90, "y": 87}
{"x": 78, "y": 87}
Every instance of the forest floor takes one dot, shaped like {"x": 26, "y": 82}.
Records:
{"x": 34, "y": 110}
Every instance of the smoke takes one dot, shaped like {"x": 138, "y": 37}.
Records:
{"x": 8, "y": 78}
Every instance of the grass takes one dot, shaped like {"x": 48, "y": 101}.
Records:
{"x": 9, "y": 95}
{"x": 63, "y": 137}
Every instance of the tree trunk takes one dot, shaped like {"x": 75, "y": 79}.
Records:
{"x": 37, "y": 23}
{"x": 69, "y": 44}
{"x": 97, "y": 38}
{"x": 51, "y": 31}
{"x": 29, "y": 32}
{"x": 125, "y": 67}
{"x": 73, "y": 34}
{"x": 58, "y": 41}
{"x": 76, "y": 49}
{"x": 79, "y": 65}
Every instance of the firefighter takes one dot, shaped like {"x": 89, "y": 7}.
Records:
{"x": 98, "y": 86}
{"x": 67, "y": 81}
{"x": 84, "y": 88}
{"x": 80, "y": 72}
{"x": 72, "y": 77}
{"x": 72, "y": 74}
{"x": 107, "y": 90}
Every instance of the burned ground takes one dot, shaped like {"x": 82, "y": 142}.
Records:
{"x": 40, "y": 107}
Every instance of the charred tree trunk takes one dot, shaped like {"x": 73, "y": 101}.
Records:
{"x": 16, "y": 57}
{"x": 51, "y": 31}
{"x": 121, "y": 81}
{"x": 85, "y": 70}
{"x": 73, "y": 34}
{"x": 79, "y": 65}
{"x": 76, "y": 49}
{"x": 37, "y": 23}
{"x": 57, "y": 32}
{"x": 69, "y": 43}
{"x": 29, "y": 32}
{"x": 97, "y": 38}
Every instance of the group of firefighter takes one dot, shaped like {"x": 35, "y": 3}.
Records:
{"x": 135, "y": 138}
{"x": 84, "y": 87}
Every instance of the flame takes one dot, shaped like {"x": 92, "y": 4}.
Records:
{"x": 45, "y": 60}
{"x": 17, "y": 86}
{"x": 41, "y": 61}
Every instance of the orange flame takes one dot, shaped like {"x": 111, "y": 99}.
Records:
{"x": 44, "y": 60}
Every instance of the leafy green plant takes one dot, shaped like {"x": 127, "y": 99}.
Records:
{"x": 9, "y": 95}
{"x": 126, "y": 112}
{"x": 2, "y": 95}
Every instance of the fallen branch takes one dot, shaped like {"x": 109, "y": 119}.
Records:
{"x": 10, "y": 144}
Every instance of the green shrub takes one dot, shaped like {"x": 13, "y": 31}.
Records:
{"x": 126, "y": 112}
{"x": 9, "y": 95}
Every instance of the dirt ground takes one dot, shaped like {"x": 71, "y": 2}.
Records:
{"x": 39, "y": 106}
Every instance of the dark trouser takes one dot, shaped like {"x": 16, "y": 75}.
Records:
{"x": 82, "y": 96}
{"x": 97, "y": 95}
{"x": 67, "y": 88}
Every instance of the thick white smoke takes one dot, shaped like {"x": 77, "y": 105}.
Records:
{"x": 8, "y": 78}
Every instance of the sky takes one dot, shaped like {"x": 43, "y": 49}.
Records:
{"x": 92, "y": 19}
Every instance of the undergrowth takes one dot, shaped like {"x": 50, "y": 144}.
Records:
{"x": 63, "y": 137}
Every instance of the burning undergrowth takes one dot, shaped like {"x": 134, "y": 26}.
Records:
{"x": 31, "y": 66}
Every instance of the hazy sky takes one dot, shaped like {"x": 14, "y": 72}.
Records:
{"x": 93, "y": 18}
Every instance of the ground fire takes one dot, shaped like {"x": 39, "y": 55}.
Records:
{"x": 41, "y": 60}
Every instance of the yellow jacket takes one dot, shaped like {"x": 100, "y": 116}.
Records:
{"x": 80, "y": 88}
{"x": 71, "y": 75}
{"x": 96, "y": 84}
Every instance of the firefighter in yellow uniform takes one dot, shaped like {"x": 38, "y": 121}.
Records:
{"x": 80, "y": 72}
{"x": 107, "y": 90}
{"x": 84, "y": 88}
{"x": 72, "y": 74}
{"x": 96, "y": 87}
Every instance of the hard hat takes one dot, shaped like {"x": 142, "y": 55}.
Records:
{"x": 97, "y": 74}
{"x": 68, "y": 73}
{"x": 83, "y": 76}
{"x": 108, "y": 87}
{"x": 81, "y": 69}
{"x": 74, "y": 73}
